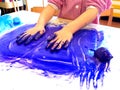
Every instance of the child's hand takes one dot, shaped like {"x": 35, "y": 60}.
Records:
{"x": 62, "y": 38}
{"x": 32, "y": 34}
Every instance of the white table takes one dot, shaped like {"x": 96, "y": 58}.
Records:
{"x": 20, "y": 78}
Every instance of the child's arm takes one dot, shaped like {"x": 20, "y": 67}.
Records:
{"x": 46, "y": 15}
{"x": 87, "y": 17}
{"x": 36, "y": 32}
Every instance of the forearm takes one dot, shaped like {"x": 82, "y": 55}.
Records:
{"x": 45, "y": 16}
{"x": 87, "y": 17}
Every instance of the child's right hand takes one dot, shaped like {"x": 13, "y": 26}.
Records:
{"x": 32, "y": 34}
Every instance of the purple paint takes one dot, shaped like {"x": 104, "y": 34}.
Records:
{"x": 77, "y": 59}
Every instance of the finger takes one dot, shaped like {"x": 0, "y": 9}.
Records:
{"x": 66, "y": 44}
{"x": 51, "y": 43}
{"x": 23, "y": 39}
{"x": 29, "y": 40}
{"x": 55, "y": 45}
{"x": 51, "y": 37}
{"x": 37, "y": 35}
{"x": 60, "y": 45}
{"x": 21, "y": 36}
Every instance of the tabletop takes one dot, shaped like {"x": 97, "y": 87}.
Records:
{"x": 19, "y": 77}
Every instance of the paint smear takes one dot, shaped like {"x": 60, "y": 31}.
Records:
{"x": 77, "y": 59}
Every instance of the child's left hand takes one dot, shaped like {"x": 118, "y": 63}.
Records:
{"x": 62, "y": 39}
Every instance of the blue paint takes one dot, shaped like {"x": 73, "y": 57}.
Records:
{"x": 78, "y": 58}
{"x": 7, "y": 22}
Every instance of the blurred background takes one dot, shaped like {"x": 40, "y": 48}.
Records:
{"x": 110, "y": 17}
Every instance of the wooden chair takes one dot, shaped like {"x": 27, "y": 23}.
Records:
{"x": 108, "y": 13}
{"x": 37, "y": 9}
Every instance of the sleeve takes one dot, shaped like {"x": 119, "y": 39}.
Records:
{"x": 101, "y": 5}
{"x": 55, "y": 3}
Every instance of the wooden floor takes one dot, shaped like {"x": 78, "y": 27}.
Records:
{"x": 115, "y": 22}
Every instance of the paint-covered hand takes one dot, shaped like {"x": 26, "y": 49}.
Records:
{"x": 60, "y": 39}
{"x": 32, "y": 34}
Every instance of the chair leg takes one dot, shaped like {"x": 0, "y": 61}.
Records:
{"x": 109, "y": 21}
{"x": 110, "y": 17}
{"x": 108, "y": 13}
